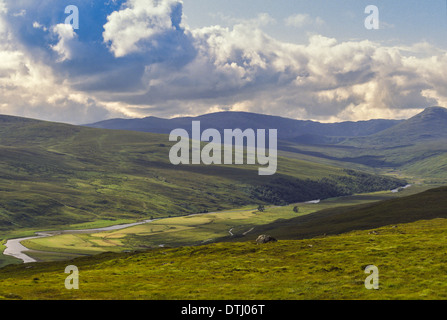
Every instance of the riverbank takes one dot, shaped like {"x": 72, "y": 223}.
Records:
{"x": 14, "y": 247}
{"x": 186, "y": 230}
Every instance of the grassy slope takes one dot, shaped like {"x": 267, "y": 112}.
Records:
{"x": 415, "y": 148}
{"x": 411, "y": 259}
{"x": 430, "y": 204}
{"x": 422, "y": 161}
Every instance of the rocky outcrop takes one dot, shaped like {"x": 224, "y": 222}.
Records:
{"x": 265, "y": 239}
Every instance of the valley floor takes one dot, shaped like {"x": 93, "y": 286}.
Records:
{"x": 194, "y": 229}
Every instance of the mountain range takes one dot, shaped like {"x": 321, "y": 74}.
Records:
{"x": 288, "y": 129}
{"x": 428, "y": 125}
{"x": 54, "y": 174}
{"x": 414, "y": 147}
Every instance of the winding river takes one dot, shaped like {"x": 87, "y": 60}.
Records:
{"x": 16, "y": 249}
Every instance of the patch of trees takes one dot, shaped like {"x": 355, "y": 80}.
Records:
{"x": 283, "y": 191}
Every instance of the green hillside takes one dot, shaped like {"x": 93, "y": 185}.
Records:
{"x": 414, "y": 148}
{"x": 411, "y": 259}
{"x": 54, "y": 174}
{"x": 430, "y": 204}
{"x": 427, "y": 126}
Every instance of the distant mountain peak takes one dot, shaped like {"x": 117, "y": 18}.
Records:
{"x": 435, "y": 108}
{"x": 429, "y": 115}
{"x": 429, "y": 125}
{"x": 434, "y": 111}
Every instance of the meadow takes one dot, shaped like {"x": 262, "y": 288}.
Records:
{"x": 197, "y": 229}
{"x": 411, "y": 259}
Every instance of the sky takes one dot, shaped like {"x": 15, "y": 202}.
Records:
{"x": 312, "y": 60}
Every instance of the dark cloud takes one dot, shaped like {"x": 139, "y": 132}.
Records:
{"x": 137, "y": 58}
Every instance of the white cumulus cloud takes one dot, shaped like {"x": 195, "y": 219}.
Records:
{"x": 141, "y": 21}
{"x": 145, "y": 61}
{"x": 66, "y": 43}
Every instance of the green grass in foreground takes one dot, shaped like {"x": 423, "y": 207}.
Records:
{"x": 411, "y": 259}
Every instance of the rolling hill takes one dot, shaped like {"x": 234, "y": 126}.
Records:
{"x": 54, "y": 174}
{"x": 430, "y": 125}
{"x": 413, "y": 148}
{"x": 428, "y": 205}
